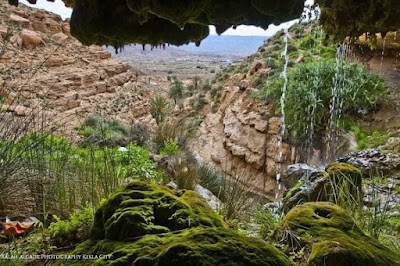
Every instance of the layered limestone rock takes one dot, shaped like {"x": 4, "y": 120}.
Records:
{"x": 241, "y": 139}
{"x": 44, "y": 67}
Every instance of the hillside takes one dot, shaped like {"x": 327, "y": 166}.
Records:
{"x": 242, "y": 115}
{"x": 44, "y": 69}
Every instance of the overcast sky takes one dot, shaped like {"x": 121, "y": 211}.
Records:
{"x": 58, "y": 7}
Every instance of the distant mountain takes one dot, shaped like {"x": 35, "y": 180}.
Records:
{"x": 227, "y": 45}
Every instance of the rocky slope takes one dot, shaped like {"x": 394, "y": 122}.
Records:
{"x": 241, "y": 135}
{"x": 44, "y": 68}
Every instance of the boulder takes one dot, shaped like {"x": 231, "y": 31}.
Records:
{"x": 372, "y": 161}
{"x": 339, "y": 183}
{"x": 148, "y": 224}
{"x": 140, "y": 209}
{"x": 60, "y": 38}
{"x": 295, "y": 172}
{"x": 332, "y": 237}
{"x": 31, "y": 38}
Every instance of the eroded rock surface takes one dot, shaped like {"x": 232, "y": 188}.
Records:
{"x": 44, "y": 67}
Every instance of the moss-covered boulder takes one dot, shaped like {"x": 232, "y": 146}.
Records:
{"x": 196, "y": 246}
{"x": 340, "y": 183}
{"x": 140, "y": 209}
{"x": 148, "y": 224}
{"x": 331, "y": 237}
{"x": 346, "y": 180}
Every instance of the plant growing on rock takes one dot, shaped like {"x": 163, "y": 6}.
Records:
{"x": 159, "y": 108}
{"x": 103, "y": 131}
{"x": 177, "y": 90}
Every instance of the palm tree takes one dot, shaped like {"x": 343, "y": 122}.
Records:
{"x": 159, "y": 108}
{"x": 176, "y": 91}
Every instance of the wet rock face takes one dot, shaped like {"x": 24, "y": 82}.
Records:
{"x": 342, "y": 18}
{"x": 332, "y": 237}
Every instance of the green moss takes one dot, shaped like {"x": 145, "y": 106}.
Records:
{"x": 148, "y": 224}
{"x": 197, "y": 246}
{"x": 332, "y": 236}
{"x": 346, "y": 180}
{"x": 139, "y": 209}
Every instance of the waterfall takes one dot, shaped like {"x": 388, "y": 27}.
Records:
{"x": 337, "y": 101}
{"x": 282, "y": 130}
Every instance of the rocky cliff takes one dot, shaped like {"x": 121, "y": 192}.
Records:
{"x": 43, "y": 67}
{"x": 241, "y": 139}
{"x": 241, "y": 136}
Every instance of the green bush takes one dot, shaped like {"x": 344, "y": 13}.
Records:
{"x": 170, "y": 148}
{"x": 74, "y": 230}
{"x": 140, "y": 133}
{"x": 310, "y": 90}
{"x": 103, "y": 132}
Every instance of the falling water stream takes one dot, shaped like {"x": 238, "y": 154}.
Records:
{"x": 282, "y": 130}
{"x": 337, "y": 101}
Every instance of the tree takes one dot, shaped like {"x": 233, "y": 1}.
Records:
{"x": 159, "y": 108}
{"x": 196, "y": 82}
{"x": 176, "y": 90}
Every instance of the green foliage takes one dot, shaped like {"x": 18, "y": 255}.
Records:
{"x": 167, "y": 132}
{"x": 211, "y": 179}
{"x": 177, "y": 90}
{"x": 103, "y": 132}
{"x": 367, "y": 140}
{"x": 140, "y": 208}
{"x": 159, "y": 108}
{"x": 199, "y": 102}
{"x": 170, "y": 148}
{"x": 62, "y": 177}
{"x": 332, "y": 237}
{"x": 206, "y": 86}
{"x": 309, "y": 91}
{"x": 268, "y": 223}
{"x": 140, "y": 133}
{"x": 195, "y": 246}
{"x": 74, "y": 230}
{"x": 256, "y": 82}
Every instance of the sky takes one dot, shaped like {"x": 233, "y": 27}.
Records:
{"x": 58, "y": 7}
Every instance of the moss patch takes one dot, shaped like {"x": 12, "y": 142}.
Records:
{"x": 332, "y": 237}
{"x": 197, "y": 246}
{"x": 139, "y": 209}
{"x": 346, "y": 180}
{"x": 148, "y": 224}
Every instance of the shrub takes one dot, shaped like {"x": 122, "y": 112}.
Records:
{"x": 140, "y": 133}
{"x": 170, "y": 148}
{"x": 206, "y": 86}
{"x": 176, "y": 91}
{"x": 200, "y": 102}
{"x": 103, "y": 132}
{"x": 75, "y": 229}
{"x": 256, "y": 82}
{"x": 309, "y": 91}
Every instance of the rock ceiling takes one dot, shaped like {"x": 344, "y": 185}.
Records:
{"x": 155, "y": 22}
